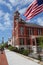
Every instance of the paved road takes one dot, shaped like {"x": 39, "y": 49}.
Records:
{"x": 16, "y": 59}
{"x": 3, "y": 60}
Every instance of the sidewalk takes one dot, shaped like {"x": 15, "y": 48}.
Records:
{"x": 16, "y": 59}
{"x": 3, "y": 59}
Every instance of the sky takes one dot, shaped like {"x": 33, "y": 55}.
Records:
{"x": 7, "y": 9}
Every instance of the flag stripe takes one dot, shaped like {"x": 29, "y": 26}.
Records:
{"x": 35, "y": 13}
{"x": 30, "y": 11}
{"x": 35, "y": 8}
{"x": 30, "y": 8}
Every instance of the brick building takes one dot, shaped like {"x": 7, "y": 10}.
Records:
{"x": 25, "y": 34}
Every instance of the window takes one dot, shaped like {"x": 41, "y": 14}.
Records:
{"x": 39, "y": 31}
{"x": 31, "y": 31}
{"x": 21, "y": 30}
{"x": 33, "y": 42}
{"x": 28, "y": 42}
{"x": 37, "y": 41}
{"x": 21, "y": 41}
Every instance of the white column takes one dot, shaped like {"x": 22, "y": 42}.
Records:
{"x": 35, "y": 46}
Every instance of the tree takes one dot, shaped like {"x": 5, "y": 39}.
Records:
{"x": 40, "y": 42}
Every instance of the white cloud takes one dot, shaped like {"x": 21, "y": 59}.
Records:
{"x": 7, "y": 20}
{"x": 24, "y": 2}
{"x": 7, "y": 24}
{"x": 1, "y": 13}
{"x": 1, "y": 1}
{"x": 40, "y": 21}
{"x": 5, "y": 27}
{"x": 28, "y": 21}
{"x": 2, "y": 27}
{"x": 7, "y": 4}
{"x": 6, "y": 16}
{"x": 14, "y": 2}
{"x": 20, "y": 2}
{"x": 22, "y": 10}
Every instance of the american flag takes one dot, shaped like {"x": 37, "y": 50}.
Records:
{"x": 35, "y": 8}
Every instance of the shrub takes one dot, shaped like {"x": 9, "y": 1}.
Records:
{"x": 21, "y": 51}
{"x": 5, "y": 45}
{"x": 16, "y": 49}
{"x": 11, "y": 48}
{"x": 25, "y": 52}
{"x": 39, "y": 57}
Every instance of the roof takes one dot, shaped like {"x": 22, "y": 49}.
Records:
{"x": 33, "y": 25}
{"x": 26, "y": 23}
